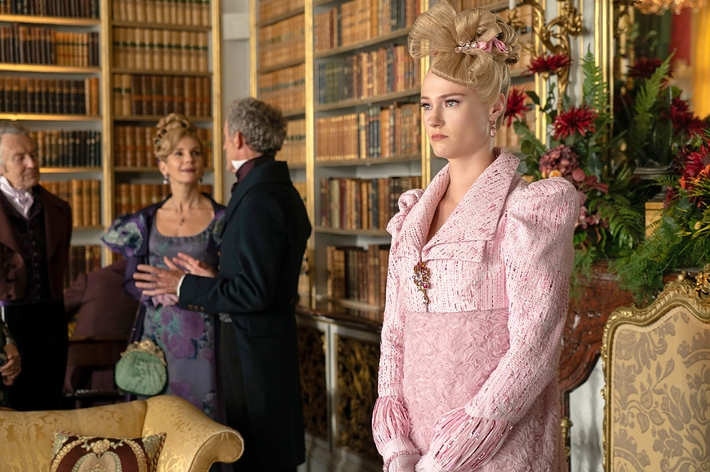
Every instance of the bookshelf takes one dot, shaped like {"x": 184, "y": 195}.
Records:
{"x": 50, "y": 49}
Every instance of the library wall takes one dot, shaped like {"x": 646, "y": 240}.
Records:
{"x": 91, "y": 79}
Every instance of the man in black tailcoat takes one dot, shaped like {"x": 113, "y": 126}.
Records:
{"x": 266, "y": 228}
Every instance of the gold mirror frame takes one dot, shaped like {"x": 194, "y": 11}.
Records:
{"x": 683, "y": 292}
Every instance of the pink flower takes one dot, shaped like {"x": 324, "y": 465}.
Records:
{"x": 561, "y": 160}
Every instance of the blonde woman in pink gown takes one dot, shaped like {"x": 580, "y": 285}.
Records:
{"x": 477, "y": 288}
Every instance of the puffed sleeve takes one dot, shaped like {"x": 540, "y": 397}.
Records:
{"x": 126, "y": 236}
{"x": 538, "y": 254}
{"x": 390, "y": 420}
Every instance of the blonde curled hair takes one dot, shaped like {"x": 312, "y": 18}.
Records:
{"x": 169, "y": 131}
{"x": 453, "y": 38}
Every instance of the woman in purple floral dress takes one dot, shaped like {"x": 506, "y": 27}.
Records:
{"x": 187, "y": 222}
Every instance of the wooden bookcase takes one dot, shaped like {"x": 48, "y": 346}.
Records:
{"x": 192, "y": 33}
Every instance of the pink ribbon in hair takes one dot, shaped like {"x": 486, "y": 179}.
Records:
{"x": 486, "y": 46}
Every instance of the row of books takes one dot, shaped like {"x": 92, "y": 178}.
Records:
{"x": 358, "y": 274}
{"x": 269, "y": 9}
{"x": 360, "y": 20}
{"x": 366, "y": 74}
{"x": 132, "y": 197}
{"x": 376, "y": 133}
{"x": 169, "y": 12}
{"x": 160, "y": 50}
{"x": 368, "y": 204}
{"x": 284, "y": 88}
{"x": 84, "y": 197}
{"x": 294, "y": 147}
{"x": 135, "y": 146}
{"x": 36, "y": 45}
{"x": 160, "y": 94}
{"x": 282, "y": 42}
{"x": 82, "y": 260}
{"x": 68, "y": 148}
{"x": 55, "y": 96}
{"x": 57, "y": 8}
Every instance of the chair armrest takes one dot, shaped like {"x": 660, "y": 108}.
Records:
{"x": 193, "y": 441}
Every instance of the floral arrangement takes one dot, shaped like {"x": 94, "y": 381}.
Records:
{"x": 581, "y": 149}
{"x": 679, "y": 141}
{"x": 658, "y": 123}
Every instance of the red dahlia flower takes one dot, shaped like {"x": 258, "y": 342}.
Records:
{"x": 644, "y": 69}
{"x": 574, "y": 119}
{"x": 516, "y": 107}
{"x": 548, "y": 64}
{"x": 683, "y": 119}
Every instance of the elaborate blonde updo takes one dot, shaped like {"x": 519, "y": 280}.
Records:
{"x": 169, "y": 131}
{"x": 453, "y": 39}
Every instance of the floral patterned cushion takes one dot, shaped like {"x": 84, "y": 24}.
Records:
{"x": 660, "y": 387}
{"x": 72, "y": 452}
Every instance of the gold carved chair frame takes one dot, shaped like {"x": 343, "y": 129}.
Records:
{"x": 657, "y": 369}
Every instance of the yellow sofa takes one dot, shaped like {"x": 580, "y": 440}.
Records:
{"x": 193, "y": 441}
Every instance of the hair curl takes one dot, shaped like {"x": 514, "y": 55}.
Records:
{"x": 169, "y": 131}
{"x": 440, "y": 32}
{"x": 262, "y": 125}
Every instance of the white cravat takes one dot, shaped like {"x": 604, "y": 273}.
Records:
{"x": 21, "y": 199}
{"x": 238, "y": 164}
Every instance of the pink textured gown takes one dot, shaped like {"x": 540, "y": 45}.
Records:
{"x": 468, "y": 379}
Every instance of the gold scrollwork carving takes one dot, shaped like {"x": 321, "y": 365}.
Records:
{"x": 702, "y": 283}
{"x": 358, "y": 361}
{"x": 555, "y": 35}
{"x": 311, "y": 354}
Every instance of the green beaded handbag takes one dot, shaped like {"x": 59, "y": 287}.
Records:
{"x": 142, "y": 369}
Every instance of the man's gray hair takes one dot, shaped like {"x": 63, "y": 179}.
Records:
{"x": 10, "y": 127}
{"x": 263, "y": 126}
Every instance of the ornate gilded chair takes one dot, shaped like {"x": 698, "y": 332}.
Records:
{"x": 657, "y": 371}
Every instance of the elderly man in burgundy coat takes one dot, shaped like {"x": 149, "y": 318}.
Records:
{"x": 35, "y": 233}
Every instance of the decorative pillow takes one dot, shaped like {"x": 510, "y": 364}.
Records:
{"x": 73, "y": 453}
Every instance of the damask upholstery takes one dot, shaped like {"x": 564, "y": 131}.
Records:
{"x": 657, "y": 393}
{"x": 192, "y": 444}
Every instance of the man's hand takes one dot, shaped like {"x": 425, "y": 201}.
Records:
{"x": 12, "y": 368}
{"x": 193, "y": 266}
{"x": 154, "y": 281}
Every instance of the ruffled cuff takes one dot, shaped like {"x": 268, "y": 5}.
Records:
{"x": 463, "y": 442}
{"x": 168, "y": 299}
{"x": 390, "y": 429}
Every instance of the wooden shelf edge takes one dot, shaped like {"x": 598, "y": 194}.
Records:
{"x": 363, "y": 44}
{"x": 48, "y": 68}
{"x": 294, "y": 113}
{"x": 50, "y": 20}
{"x": 43, "y": 117}
{"x": 68, "y": 170}
{"x": 136, "y": 24}
{"x": 352, "y": 232}
{"x": 156, "y": 118}
{"x": 366, "y": 162}
{"x": 281, "y": 17}
{"x": 116, "y": 70}
{"x": 125, "y": 169}
{"x": 283, "y": 65}
{"x": 367, "y": 100}
{"x": 336, "y": 316}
